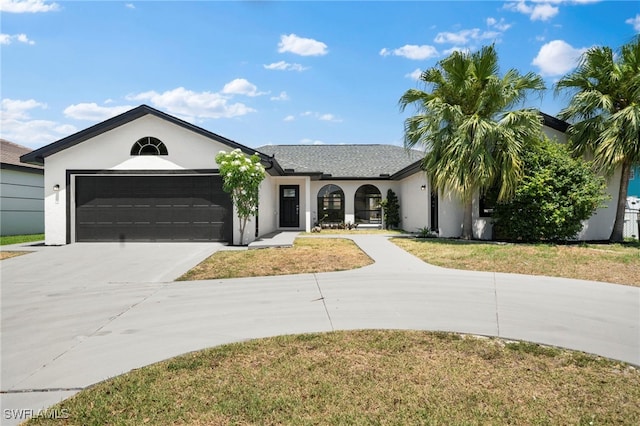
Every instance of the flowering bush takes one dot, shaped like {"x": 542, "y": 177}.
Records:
{"x": 241, "y": 178}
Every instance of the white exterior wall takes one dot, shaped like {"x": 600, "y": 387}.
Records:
{"x": 554, "y": 135}
{"x": 415, "y": 202}
{"x": 272, "y": 208}
{"x": 450, "y": 216}
{"x": 482, "y": 226}
{"x": 21, "y": 202}
{"x": 600, "y": 225}
{"x": 268, "y": 208}
{"x": 111, "y": 151}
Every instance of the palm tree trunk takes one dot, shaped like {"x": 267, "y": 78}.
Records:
{"x": 467, "y": 223}
{"x": 617, "y": 234}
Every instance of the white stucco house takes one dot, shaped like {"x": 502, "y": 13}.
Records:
{"x": 21, "y": 192}
{"x": 148, "y": 176}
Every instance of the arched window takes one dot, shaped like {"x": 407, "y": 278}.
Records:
{"x": 367, "y": 205}
{"x": 330, "y": 204}
{"x": 149, "y": 146}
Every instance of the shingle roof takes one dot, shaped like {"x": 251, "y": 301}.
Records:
{"x": 348, "y": 161}
{"x": 10, "y": 154}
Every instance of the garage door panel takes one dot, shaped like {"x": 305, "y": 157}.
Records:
{"x": 152, "y": 208}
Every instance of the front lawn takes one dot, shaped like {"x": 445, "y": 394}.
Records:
{"x": 17, "y": 239}
{"x": 308, "y": 255}
{"x": 366, "y": 377}
{"x": 613, "y": 263}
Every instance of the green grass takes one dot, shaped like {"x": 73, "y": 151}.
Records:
{"x": 16, "y": 239}
{"x": 367, "y": 377}
{"x": 613, "y": 263}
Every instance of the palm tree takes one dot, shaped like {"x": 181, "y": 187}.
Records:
{"x": 472, "y": 139}
{"x": 605, "y": 110}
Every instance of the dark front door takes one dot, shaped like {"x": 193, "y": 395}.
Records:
{"x": 289, "y": 206}
{"x": 434, "y": 211}
{"x": 152, "y": 208}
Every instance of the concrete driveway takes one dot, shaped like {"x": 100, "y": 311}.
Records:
{"x": 78, "y": 314}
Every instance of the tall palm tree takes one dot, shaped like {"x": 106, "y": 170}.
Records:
{"x": 605, "y": 110}
{"x": 472, "y": 139}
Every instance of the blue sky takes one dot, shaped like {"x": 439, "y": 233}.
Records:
{"x": 262, "y": 72}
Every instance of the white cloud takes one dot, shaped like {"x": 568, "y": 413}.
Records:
{"x": 289, "y": 118}
{"x": 20, "y": 38}
{"x": 301, "y": 46}
{"x": 557, "y": 57}
{"x": 412, "y": 51}
{"x": 17, "y": 125}
{"x": 307, "y": 141}
{"x": 415, "y": 74}
{"x": 285, "y": 66}
{"x": 456, "y": 49}
{"x": 93, "y": 111}
{"x": 538, "y": 12}
{"x": 635, "y": 22}
{"x": 27, "y": 6}
{"x": 130, "y": 6}
{"x": 241, "y": 86}
{"x": 466, "y": 36}
{"x": 329, "y": 117}
{"x": 321, "y": 117}
{"x": 281, "y": 97}
{"x": 500, "y": 25}
{"x": 193, "y": 105}
{"x": 543, "y": 12}
{"x": 18, "y": 109}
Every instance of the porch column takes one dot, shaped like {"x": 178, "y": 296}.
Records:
{"x": 307, "y": 203}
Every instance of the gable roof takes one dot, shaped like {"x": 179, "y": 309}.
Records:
{"x": 343, "y": 161}
{"x": 10, "y": 157}
{"x": 38, "y": 156}
{"x": 554, "y": 123}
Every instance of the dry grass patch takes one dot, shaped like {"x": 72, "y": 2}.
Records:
{"x": 612, "y": 263}
{"x": 308, "y": 255}
{"x": 367, "y": 377}
{"x": 9, "y": 254}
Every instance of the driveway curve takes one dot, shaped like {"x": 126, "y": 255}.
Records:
{"x": 63, "y": 331}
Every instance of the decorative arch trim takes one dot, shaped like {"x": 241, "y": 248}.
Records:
{"x": 149, "y": 146}
{"x": 331, "y": 204}
{"x": 367, "y": 205}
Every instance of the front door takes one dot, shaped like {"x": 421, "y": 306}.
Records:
{"x": 290, "y": 206}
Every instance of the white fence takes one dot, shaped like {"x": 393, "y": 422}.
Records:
{"x": 631, "y": 224}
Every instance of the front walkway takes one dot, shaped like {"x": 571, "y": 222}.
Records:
{"x": 275, "y": 239}
{"x": 62, "y": 334}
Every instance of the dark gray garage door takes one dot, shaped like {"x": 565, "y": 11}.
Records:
{"x": 152, "y": 208}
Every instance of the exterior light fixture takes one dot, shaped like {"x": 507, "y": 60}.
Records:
{"x": 56, "y": 187}
{"x": 423, "y": 188}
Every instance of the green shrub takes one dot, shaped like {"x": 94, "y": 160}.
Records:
{"x": 391, "y": 210}
{"x": 557, "y": 193}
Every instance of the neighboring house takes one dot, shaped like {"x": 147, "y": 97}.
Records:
{"x": 21, "y": 192}
{"x": 148, "y": 176}
{"x": 634, "y": 182}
